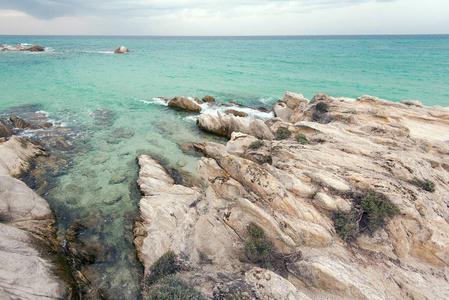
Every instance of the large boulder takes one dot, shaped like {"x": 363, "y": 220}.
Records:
{"x": 183, "y": 103}
{"x": 16, "y": 154}
{"x": 121, "y": 50}
{"x": 286, "y": 107}
{"x": 226, "y": 125}
{"x": 27, "y": 269}
{"x": 209, "y": 99}
{"x": 34, "y": 48}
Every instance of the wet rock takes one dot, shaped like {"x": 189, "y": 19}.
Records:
{"x": 47, "y": 124}
{"x": 198, "y": 101}
{"x": 184, "y": 104}
{"x": 236, "y": 113}
{"x": 5, "y": 130}
{"x": 259, "y": 108}
{"x": 208, "y": 99}
{"x": 121, "y": 50}
{"x": 21, "y": 124}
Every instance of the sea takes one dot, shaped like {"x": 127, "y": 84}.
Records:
{"x": 107, "y": 106}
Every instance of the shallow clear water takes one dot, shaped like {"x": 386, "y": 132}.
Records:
{"x": 109, "y": 102}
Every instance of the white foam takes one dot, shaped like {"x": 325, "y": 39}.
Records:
{"x": 155, "y": 100}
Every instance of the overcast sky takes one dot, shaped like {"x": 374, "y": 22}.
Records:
{"x": 225, "y": 17}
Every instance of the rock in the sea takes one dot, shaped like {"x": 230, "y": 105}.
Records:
{"x": 121, "y": 50}
{"x": 183, "y": 103}
{"x": 33, "y": 48}
{"x": 5, "y": 130}
{"x": 21, "y": 124}
{"x": 236, "y": 113}
{"x": 208, "y": 99}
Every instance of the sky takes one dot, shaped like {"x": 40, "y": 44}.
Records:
{"x": 226, "y": 17}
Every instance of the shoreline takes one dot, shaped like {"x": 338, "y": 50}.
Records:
{"x": 349, "y": 146}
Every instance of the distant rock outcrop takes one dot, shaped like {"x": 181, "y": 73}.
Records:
{"x": 19, "y": 47}
{"x": 121, "y": 50}
{"x": 319, "y": 197}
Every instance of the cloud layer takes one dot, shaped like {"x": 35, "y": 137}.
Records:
{"x": 231, "y": 17}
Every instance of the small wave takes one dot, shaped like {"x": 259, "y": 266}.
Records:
{"x": 25, "y": 44}
{"x": 105, "y": 52}
{"x": 155, "y": 100}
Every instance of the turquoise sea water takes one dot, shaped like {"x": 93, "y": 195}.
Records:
{"x": 109, "y": 103}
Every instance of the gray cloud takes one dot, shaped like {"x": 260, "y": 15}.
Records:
{"x": 50, "y": 9}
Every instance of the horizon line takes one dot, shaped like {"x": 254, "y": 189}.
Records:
{"x": 256, "y": 35}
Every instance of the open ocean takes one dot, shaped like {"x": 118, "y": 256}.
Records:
{"x": 109, "y": 103}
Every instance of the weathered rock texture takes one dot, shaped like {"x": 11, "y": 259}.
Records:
{"x": 292, "y": 191}
{"x": 29, "y": 267}
{"x": 226, "y": 125}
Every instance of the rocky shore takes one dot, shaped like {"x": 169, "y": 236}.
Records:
{"x": 333, "y": 198}
{"x": 31, "y": 265}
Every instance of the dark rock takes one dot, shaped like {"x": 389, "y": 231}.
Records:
{"x": 21, "y": 124}
{"x": 34, "y": 48}
{"x": 209, "y": 99}
{"x": 184, "y": 104}
{"x": 236, "y": 113}
{"x": 5, "y": 130}
{"x": 197, "y": 100}
{"x": 259, "y": 108}
{"x": 47, "y": 124}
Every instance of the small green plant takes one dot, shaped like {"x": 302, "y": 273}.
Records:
{"x": 322, "y": 107}
{"x": 347, "y": 225}
{"x": 301, "y": 138}
{"x": 377, "y": 208}
{"x": 425, "y": 184}
{"x": 283, "y": 133}
{"x": 256, "y": 145}
{"x": 172, "y": 287}
{"x": 164, "y": 266}
{"x": 369, "y": 214}
{"x": 257, "y": 247}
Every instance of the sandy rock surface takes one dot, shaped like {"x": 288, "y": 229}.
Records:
{"x": 293, "y": 191}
